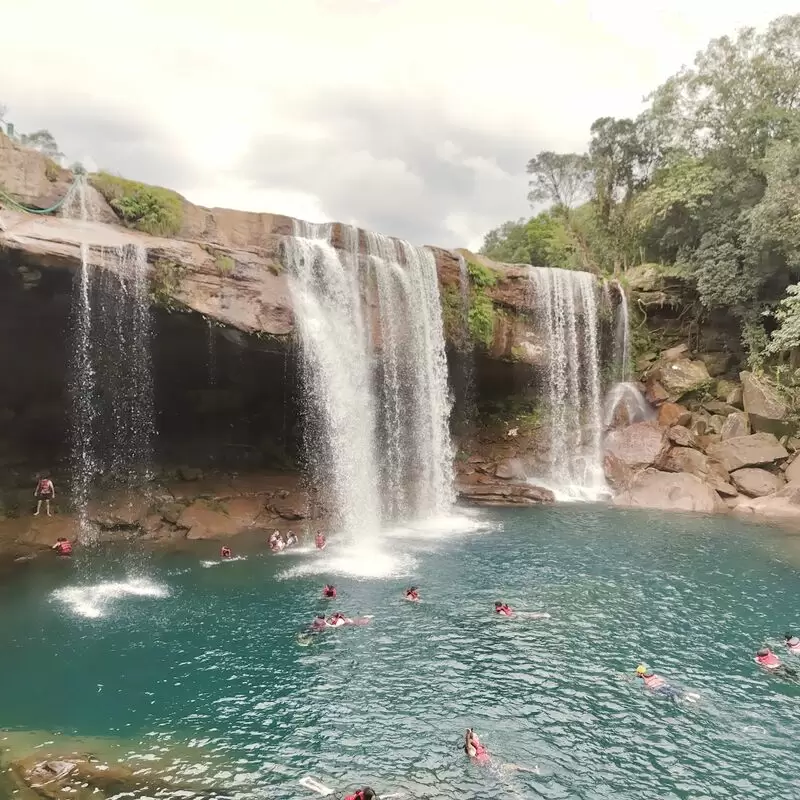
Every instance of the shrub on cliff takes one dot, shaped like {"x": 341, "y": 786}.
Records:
{"x": 150, "y": 209}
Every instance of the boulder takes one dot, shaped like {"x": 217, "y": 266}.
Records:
{"x": 674, "y": 353}
{"x": 682, "y": 436}
{"x": 761, "y": 399}
{"x": 682, "y": 376}
{"x": 716, "y": 363}
{"x": 655, "y": 393}
{"x": 735, "y": 426}
{"x": 747, "y": 451}
{"x": 699, "y": 424}
{"x": 618, "y": 473}
{"x": 511, "y": 468}
{"x": 715, "y": 424}
{"x": 673, "y": 414}
{"x": 722, "y": 388}
{"x": 719, "y": 408}
{"x": 291, "y": 507}
{"x": 639, "y": 445}
{"x": 171, "y": 512}
{"x": 756, "y": 482}
{"x": 505, "y": 494}
{"x": 670, "y": 491}
{"x": 644, "y": 361}
{"x": 736, "y": 398}
{"x": 781, "y": 505}
{"x": 721, "y": 486}
{"x": 792, "y": 472}
{"x": 685, "y": 459}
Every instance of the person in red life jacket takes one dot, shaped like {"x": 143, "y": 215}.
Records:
{"x": 329, "y": 592}
{"x": 412, "y": 594}
{"x": 793, "y": 643}
{"x": 63, "y": 547}
{"x": 225, "y": 552}
{"x": 45, "y": 491}
{"x": 657, "y": 684}
{"x": 362, "y": 794}
{"x": 319, "y": 541}
{"x": 336, "y": 620}
{"x": 503, "y": 608}
{"x": 473, "y": 747}
{"x": 767, "y": 659}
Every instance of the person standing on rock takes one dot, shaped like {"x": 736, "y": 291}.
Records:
{"x": 45, "y": 491}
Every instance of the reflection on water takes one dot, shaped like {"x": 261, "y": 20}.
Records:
{"x": 202, "y": 679}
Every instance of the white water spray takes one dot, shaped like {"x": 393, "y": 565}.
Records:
{"x": 565, "y": 305}
{"x": 622, "y": 345}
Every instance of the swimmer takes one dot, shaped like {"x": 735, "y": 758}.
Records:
{"x": 329, "y": 592}
{"x": 225, "y": 552}
{"x": 793, "y": 643}
{"x": 767, "y": 660}
{"x": 63, "y": 546}
{"x": 319, "y": 623}
{"x": 319, "y": 541}
{"x": 473, "y": 747}
{"x": 362, "y": 794}
{"x": 337, "y": 620}
{"x": 412, "y": 594}
{"x": 503, "y": 609}
{"x": 291, "y": 539}
{"x": 657, "y": 685}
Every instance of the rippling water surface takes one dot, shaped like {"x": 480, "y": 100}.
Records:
{"x": 198, "y": 667}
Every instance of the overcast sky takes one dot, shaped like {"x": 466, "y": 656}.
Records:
{"x": 412, "y": 117}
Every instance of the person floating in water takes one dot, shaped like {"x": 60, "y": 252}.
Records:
{"x": 63, "y": 546}
{"x": 362, "y": 794}
{"x": 319, "y": 540}
{"x": 276, "y": 542}
{"x": 503, "y": 609}
{"x": 793, "y": 643}
{"x": 225, "y": 552}
{"x": 657, "y": 685}
{"x": 412, "y": 594}
{"x": 329, "y": 592}
{"x": 473, "y": 747}
{"x": 769, "y": 662}
{"x": 44, "y": 492}
{"x": 319, "y": 623}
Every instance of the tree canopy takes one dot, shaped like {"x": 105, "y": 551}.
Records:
{"x": 706, "y": 177}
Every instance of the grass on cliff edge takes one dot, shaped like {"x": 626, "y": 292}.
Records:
{"x": 150, "y": 209}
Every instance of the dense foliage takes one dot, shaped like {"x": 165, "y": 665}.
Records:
{"x": 707, "y": 179}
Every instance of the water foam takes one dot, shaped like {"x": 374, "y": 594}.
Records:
{"x": 93, "y": 601}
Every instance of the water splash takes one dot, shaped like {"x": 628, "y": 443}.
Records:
{"x": 626, "y": 397}
{"x": 375, "y": 375}
{"x": 565, "y": 305}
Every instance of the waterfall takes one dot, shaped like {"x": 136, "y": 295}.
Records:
{"x": 110, "y": 380}
{"x": 374, "y": 375}
{"x": 622, "y": 346}
{"x": 211, "y": 347}
{"x": 565, "y": 307}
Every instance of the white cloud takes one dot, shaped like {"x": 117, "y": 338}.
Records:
{"x": 198, "y": 85}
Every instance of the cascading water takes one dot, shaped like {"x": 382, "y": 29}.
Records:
{"x": 375, "y": 375}
{"x": 110, "y": 386}
{"x": 622, "y": 345}
{"x": 337, "y": 377}
{"x": 82, "y": 374}
{"x": 121, "y": 352}
{"x": 565, "y": 306}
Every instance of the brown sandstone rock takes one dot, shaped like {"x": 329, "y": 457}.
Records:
{"x": 782, "y": 505}
{"x": 670, "y": 491}
{"x": 682, "y": 376}
{"x": 756, "y": 482}
{"x": 792, "y": 472}
{"x": 674, "y": 353}
{"x": 735, "y": 425}
{"x": 736, "y": 398}
{"x": 747, "y": 451}
{"x": 684, "y": 459}
{"x": 682, "y": 436}
{"x": 761, "y": 398}
{"x": 639, "y": 445}
{"x": 655, "y": 393}
{"x": 204, "y": 520}
{"x": 617, "y": 472}
{"x": 673, "y": 414}
{"x": 716, "y": 363}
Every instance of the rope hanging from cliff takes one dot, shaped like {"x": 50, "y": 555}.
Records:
{"x": 6, "y": 199}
